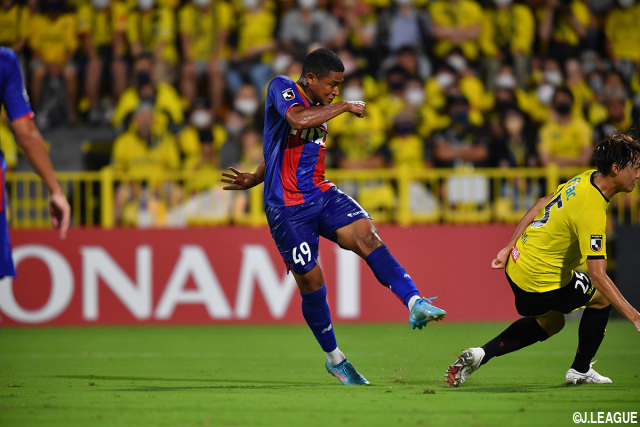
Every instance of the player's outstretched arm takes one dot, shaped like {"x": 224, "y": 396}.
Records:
{"x": 500, "y": 261}
{"x": 243, "y": 180}
{"x": 32, "y": 145}
{"x": 301, "y": 117}
{"x": 602, "y": 282}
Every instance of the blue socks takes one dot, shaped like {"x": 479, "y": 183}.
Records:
{"x": 390, "y": 273}
{"x": 316, "y": 312}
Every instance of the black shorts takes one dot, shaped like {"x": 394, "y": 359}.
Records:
{"x": 574, "y": 295}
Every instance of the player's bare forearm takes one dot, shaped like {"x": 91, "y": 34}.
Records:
{"x": 301, "y": 117}
{"x": 602, "y": 282}
{"x": 32, "y": 145}
{"x": 243, "y": 180}
{"x": 34, "y": 149}
{"x": 501, "y": 259}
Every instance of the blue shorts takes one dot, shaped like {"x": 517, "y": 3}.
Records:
{"x": 297, "y": 229}
{"x": 6, "y": 260}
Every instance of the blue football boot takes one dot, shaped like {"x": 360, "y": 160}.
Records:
{"x": 346, "y": 373}
{"x": 423, "y": 312}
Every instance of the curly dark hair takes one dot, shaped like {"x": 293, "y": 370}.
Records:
{"x": 621, "y": 148}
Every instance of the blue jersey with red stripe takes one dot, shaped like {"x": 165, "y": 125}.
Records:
{"x": 12, "y": 92}
{"x": 294, "y": 159}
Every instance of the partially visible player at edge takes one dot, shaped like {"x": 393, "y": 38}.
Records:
{"x": 302, "y": 205}
{"x": 560, "y": 232}
{"x": 14, "y": 98}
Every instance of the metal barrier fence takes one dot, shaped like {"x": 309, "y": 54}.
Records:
{"x": 472, "y": 196}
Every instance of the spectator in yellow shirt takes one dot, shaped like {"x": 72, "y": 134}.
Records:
{"x": 508, "y": 32}
{"x": 151, "y": 29}
{"x": 623, "y": 36}
{"x": 14, "y": 25}
{"x": 144, "y": 156}
{"x": 204, "y": 28}
{"x": 457, "y": 23}
{"x": 562, "y": 26}
{"x": 101, "y": 26}
{"x": 163, "y": 96}
{"x": 54, "y": 41}
{"x": 565, "y": 140}
{"x": 255, "y": 49}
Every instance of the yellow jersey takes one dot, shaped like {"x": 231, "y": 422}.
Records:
{"x": 102, "y": 24}
{"x": 14, "y": 24}
{"x": 205, "y": 31}
{"x": 621, "y": 30}
{"x": 513, "y": 29}
{"x": 54, "y": 39}
{"x": 566, "y": 142}
{"x": 154, "y": 29}
{"x": 135, "y": 156}
{"x": 566, "y": 232}
{"x": 466, "y": 14}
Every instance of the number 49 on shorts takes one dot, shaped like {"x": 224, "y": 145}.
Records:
{"x": 304, "y": 250}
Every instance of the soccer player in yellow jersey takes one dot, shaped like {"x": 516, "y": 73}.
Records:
{"x": 560, "y": 232}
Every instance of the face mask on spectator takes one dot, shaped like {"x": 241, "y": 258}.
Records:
{"x": 146, "y": 4}
{"x": 626, "y": 3}
{"x": 143, "y": 78}
{"x": 307, "y": 4}
{"x": 596, "y": 84}
{"x": 246, "y": 106}
{"x": 460, "y": 117}
{"x": 202, "y": 3}
{"x": 250, "y": 4}
{"x": 563, "y": 108}
{"x": 403, "y": 2}
{"x": 505, "y": 81}
{"x": 503, "y": 2}
{"x": 200, "y": 119}
{"x": 457, "y": 62}
{"x": 553, "y": 77}
{"x": 444, "y": 80}
{"x": 280, "y": 63}
{"x": 404, "y": 128}
{"x": 544, "y": 92}
{"x": 100, "y": 4}
{"x": 353, "y": 93}
{"x": 54, "y": 6}
{"x": 414, "y": 96}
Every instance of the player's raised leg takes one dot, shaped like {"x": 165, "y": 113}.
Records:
{"x": 362, "y": 238}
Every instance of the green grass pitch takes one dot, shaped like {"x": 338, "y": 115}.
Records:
{"x": 275, "y": 376}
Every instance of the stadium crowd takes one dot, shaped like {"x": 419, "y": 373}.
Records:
{"x": 497, "y": 83}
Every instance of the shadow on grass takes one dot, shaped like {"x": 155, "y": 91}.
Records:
{"x": 537, "y": 388}
{"x": 250, "y": 383}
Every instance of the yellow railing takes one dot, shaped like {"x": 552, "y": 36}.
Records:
{"x": 107, "y": 198}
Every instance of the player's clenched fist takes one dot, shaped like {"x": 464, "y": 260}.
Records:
{"x": 356, "y": 107}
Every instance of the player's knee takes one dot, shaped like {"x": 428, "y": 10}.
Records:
{"x": 552, "y": 324}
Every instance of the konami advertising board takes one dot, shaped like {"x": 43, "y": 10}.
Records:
{"x": 236, "y": 275}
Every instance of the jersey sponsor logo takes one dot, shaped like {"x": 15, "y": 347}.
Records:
{"x": 515, "y": 253}
{"x": 571, "y": 187}
{"x": 360, "y": 212}
{"x": 596, "y": 242}
{"x": 288, "y": 94}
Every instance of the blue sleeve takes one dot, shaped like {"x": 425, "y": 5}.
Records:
{"x": 284, "y": 94}
{"x": 12, "y": 92}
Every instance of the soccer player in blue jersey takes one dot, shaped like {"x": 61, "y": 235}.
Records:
{"x": 301, "y": 205}
{"x": 13, "y": 97}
